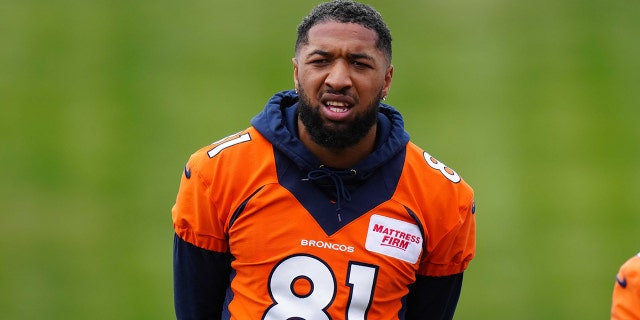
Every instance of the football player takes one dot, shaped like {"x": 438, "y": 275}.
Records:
{"x": 323, "y": 208}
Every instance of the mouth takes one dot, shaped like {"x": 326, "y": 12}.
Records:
{"x": 337, "y": 109}
{"x": 337, "y": 106}
{"x": 339, "y": 103}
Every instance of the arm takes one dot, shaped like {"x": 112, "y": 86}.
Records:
{"x": 433, "y": 297}
{"x": 200, "y": 279}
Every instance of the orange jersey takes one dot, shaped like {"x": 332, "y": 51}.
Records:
{"x": 626, "y": 292}
{"x": 280, "y": 250}
{"x": 299, "y": 251}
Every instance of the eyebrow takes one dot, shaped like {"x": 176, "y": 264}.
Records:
{"x": 358, "y": 56}
{"x": 318, "y": 52}
{"x": 354, "y": 56}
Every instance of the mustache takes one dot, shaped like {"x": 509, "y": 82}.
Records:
{"x": 343, "y": 92}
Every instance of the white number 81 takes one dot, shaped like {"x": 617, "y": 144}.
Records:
{"x": 313, "y": 305}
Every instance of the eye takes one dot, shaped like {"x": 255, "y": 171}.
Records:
{"x": 319, "y": 62}
{"x": 360, "y": 64}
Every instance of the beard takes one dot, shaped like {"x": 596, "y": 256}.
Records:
{"x": 333, "y": 136}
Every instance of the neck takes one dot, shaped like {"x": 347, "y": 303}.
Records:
{"x": 339, "y": 158}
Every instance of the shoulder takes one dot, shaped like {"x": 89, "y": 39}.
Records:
{"x": 216, "y": 180}
{"x": 630, "y": 271}
{"x": 444, "y": 204}
{"x": 425, "y": 172}
{"x": 626, "y": 292}
{"x": 438, "y": 195}
{"x": 434, "y": 191}
{"x": 232, "y": 168}
{"x": 235, "y": 154}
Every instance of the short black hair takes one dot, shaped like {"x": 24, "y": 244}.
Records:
{"x": 346, "y": 11}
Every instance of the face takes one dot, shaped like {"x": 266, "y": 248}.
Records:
{"x": 340, "y": 76}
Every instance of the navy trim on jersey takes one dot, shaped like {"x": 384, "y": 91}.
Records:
{"x": 374, "y": 180}
{"x": 366, "y": 195}
{"x": 419, "y": 224}
{"x": 241, "y": 207}
{"x": 226, "y": 315}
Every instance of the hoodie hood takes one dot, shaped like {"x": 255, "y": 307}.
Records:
{"x": 278, "y": 124}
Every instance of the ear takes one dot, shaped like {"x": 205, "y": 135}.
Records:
{"x": 387, "y": 81}
{"x": 295, "y": 73}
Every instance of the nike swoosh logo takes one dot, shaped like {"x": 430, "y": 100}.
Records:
{"x": 187, "y": 172}
{"x": 622, "y": 282}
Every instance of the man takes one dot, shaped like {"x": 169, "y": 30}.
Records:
{"x": 323, "y": 209}
{"x": 626, "y": 291}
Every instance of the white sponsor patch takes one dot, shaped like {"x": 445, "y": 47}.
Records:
{"x": 394, "y": 238}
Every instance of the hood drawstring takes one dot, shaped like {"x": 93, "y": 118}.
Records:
{"x": 336, "y": 176}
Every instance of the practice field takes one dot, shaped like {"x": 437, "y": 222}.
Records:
{"x": 534, "y": 103}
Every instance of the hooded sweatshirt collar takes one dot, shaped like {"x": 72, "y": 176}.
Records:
{"x": 278, "y": 124}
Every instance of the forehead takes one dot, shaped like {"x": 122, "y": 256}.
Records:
{"x": 342, "y": 36}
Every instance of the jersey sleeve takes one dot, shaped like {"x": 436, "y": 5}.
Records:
{"x": 196, "y": 219}
{"x": 201, "y": 258}
{"x": 445, "y": 206}
{"x": 626, "y": 291}
{"x": 455, "y": 249}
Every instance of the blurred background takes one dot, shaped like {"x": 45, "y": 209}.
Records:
{"x": 532, "y": 102}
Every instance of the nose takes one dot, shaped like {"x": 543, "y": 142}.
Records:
{"x": 339, "y": 76}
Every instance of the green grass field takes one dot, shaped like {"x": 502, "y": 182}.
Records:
{"x": 532, "y": 102}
